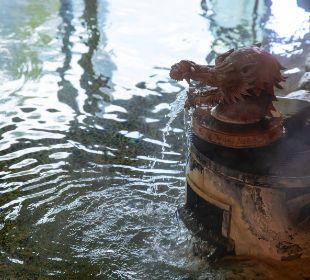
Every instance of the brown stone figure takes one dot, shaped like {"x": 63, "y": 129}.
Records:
{"x": 234, "y": 97}
{"x": 240, "y": 84}
{"x": 247, "y": 175}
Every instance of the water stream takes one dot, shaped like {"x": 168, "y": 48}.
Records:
{"x": 93, "y": 139}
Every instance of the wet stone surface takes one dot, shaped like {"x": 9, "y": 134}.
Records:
{"x": 304, "y": 82}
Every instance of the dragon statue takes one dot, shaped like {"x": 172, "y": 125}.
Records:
{"x": 240, "y": 85}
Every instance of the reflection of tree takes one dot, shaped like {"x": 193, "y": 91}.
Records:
{"x": 82, "y": 133}
{"x": 89, "y": 80}
{"x": 95, "y": 129}
{"x": 232, "y": 25}
{"x": 67, "y": 92}
{"x": 22, "y": 38}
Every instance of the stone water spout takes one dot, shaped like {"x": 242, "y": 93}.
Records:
{"x": 235, "y": 97}
{"x": 248, "y": 180}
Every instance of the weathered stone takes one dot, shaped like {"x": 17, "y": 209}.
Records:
{"x": 299, "y": 94}
{"x": 307, "y": 64}
{"x": 304, "y": 82}
{"x": 258, "y": 218}
{"x": 255, "y": 201}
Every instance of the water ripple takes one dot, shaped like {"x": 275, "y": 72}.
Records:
{"x": 92, "y": 139}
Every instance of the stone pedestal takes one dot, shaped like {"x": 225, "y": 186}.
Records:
{"x": 258, "y": 134}
{"x": 257, "y": 200}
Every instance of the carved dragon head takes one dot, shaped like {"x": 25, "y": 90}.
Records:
{"x": 182, "y": 70}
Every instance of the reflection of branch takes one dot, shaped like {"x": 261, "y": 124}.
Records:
{"x": 89, "y": 80}
{"x": 255, "y": 16}
{"x": 66, "y": 93}
{"x": 243, "y": 33}
{"x": 90, "y": 18}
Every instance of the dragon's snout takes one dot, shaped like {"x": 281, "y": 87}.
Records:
{"x": 182, "y": 70}
{"x": 177, "y": 72}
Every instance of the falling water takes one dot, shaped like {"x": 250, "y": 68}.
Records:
{"x": 176, "y": 107}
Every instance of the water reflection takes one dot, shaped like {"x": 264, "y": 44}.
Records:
{"x": 93, "y": 82}
{"x": 290, "y": 24}
{"x": 240, "y": 25}
{"x": 282, "y": 25}
{"x": 67, "y": 92}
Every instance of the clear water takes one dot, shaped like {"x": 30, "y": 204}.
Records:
{"x": 93, "y": 142}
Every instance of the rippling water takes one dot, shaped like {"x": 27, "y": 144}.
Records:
{"x": 92, "y": 150}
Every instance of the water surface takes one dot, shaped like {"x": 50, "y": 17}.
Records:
{"x": 92, "y": 150}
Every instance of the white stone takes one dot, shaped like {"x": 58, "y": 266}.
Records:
{"x": 299, "y": 94}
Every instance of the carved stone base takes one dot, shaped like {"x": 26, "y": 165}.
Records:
{"x": 256, "y": 201}
{"x": 248, "y": 111}
{"x": 256, "y": 220}
{"x": 259, "y": 134}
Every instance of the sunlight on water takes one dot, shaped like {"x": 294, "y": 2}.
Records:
{"x": 136, "y": 53}
{"x": 288, "y": 19}
{"x": 93, "y": 135}
{"x": 291, "y": 24}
